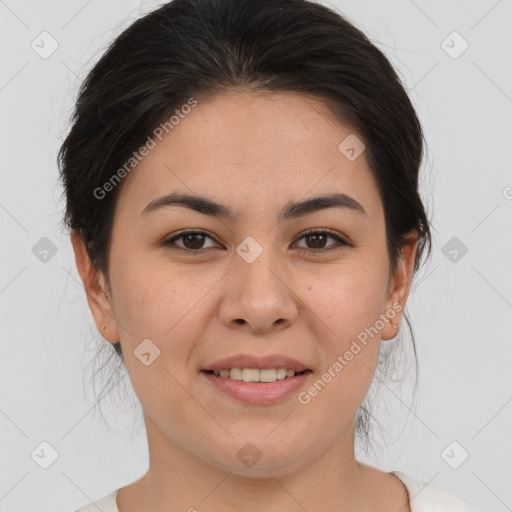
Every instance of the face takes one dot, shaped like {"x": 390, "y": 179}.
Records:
{"x": 253, "y": 282}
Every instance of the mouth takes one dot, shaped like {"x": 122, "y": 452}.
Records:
{"x": 253, "y": 386}
{"x": 256, "y": 378}
{"x": 266, "y": 375}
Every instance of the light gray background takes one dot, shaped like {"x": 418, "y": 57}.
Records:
{"x": 461, "y": 311}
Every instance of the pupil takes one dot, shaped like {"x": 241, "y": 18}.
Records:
{"x": 197, "y": 240}
{"x": 318, "y": 245}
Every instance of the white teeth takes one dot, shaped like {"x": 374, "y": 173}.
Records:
{"x": 250, "y": 375}
{"x": 236, "y": 373}
{"x": 281, "y": 373}
{"x": 255, "y": 375}
{"x": 269, "y": 375}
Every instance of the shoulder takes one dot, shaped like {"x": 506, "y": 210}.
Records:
{"x": 105, "y": 504}
{"x": 429, "y": 498}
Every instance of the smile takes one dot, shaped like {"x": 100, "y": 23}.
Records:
{"x": 255, "y": 374}
{"x": 252, "y": 388}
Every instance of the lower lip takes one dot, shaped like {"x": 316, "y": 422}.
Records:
{"x": 258, "y": 392}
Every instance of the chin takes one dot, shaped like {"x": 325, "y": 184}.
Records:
{"x": 258, "y": 458}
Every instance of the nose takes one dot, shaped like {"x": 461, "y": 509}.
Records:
{"x": 259, "y": 297}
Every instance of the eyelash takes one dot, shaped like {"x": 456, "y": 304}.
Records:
{"x": 341, "y": 241}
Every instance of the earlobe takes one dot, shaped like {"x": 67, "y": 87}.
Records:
{"x": 400, "y": 284}
{"x": 95, "y": 289}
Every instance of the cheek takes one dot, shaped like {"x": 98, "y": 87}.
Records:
{"x": 165, "y": 308}
{"x": 349, "y": 298}
{"x": 154, "y": 298}
{"x": 349, "y": 304}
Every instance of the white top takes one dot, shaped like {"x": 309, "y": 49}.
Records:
{"x": 423, "y": 498}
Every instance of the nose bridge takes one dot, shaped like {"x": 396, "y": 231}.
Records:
{"x": 258, "y": 263}
{"x": 261, "y": 297}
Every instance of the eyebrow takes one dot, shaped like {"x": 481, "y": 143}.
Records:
{"x": 291, "y": 210}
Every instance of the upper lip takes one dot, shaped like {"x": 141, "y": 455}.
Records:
{"x": 260, "y": 362}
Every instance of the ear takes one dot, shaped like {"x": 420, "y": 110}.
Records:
{"x": 95, "y": 289}
{"x": 399, "y": 286}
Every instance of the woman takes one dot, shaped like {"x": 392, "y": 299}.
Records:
{"x": 241, "y": 182}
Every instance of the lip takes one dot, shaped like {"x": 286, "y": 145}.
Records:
{"x": 258, "y": 393}
{"x": 260, "y": 362}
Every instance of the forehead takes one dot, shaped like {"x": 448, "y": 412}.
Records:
{"x": 255, "y": 149}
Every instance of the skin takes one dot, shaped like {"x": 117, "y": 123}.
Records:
{"x": 253, "y": 152}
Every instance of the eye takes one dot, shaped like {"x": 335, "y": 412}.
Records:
{"x": 192, "y": 241}
{"x": 318, "y": 239}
